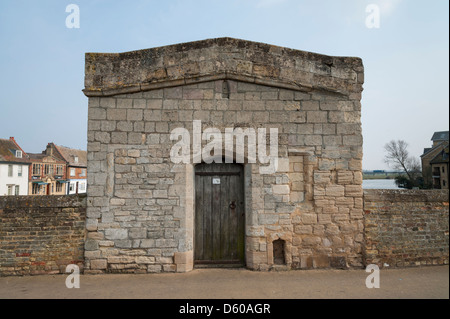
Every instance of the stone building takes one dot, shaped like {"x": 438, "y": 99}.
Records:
{"x": 435, "y": 162}
{"x": 150, "y": 213}
{"x": 439, "y": 169}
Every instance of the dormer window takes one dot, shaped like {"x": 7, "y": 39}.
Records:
{"x": 76, "y": 159}
{"x": 19, "y": 154}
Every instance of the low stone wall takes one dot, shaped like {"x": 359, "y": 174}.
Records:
{"x": 406, "y": 227}
{"x": 41, "y": 234}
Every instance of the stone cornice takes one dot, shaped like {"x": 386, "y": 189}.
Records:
{"x": 218, "y": 59}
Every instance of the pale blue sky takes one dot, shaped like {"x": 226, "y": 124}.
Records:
{"x": 406, "y": 60}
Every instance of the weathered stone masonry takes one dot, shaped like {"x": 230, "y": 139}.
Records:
{"x": 141, "y": 206}
{"x": 44, "y": 234}
{"x": 41, "y": 234}
{"x": 406, "y": 227}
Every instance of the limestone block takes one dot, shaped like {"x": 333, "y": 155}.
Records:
{"x": 334, "y": 190}
{"x": 313, "y": 140}
{"x": 91, "y": 224}
{"x": 116, "y": 233}
{"x": 352, "y": 140}
{"x": 280, "y": 189}
{"x": 254, "y": 259}
{"x": 297, "y": 197}
{"x": 137, "y": 233}
{"x": 322, "y": 177}
{"x": 121, "y": 259}
{"x": 145, "y": 260}
{"x": 344, "y": 177}
{"x": 117, "y": 202}
{"x": 308, "y": 219}
{"x": 353, "y": 190}
{"x": 311, "y": 241}
{"x": 154, "y": 268}
{"x": 182, "y": 268}
{"x": 316, "y": 117}
{"x": 119, "y": 137}
{"x": 303, "y": 229}
{"x": 148, "y": 243}
{"x": 357, "y": 178}
{"x": 184, "y": 257}
{"x": 98, "y": 264}
{"x": 310, "y": 105}
{"x": 91, "y": 245}
{"x": 116, "y": 114}
{"x": 268, "y": 219}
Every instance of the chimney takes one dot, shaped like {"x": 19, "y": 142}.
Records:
{"x": 49, "y": 150}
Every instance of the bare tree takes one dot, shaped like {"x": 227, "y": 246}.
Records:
{"x": 397, "y": 156}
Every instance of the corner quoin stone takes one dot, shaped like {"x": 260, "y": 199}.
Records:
{"x": 141, "y": 205}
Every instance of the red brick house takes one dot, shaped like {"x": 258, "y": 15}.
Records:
{"x": 47, "y": 174}
{"x": 76, "y": 167}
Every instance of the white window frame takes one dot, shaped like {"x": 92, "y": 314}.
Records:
{"x": 16, "y": 190}
{"x": 10, "y": 170}
{"x": 18, "y": 154}
{"x": 72, "y": 172}
{"x": 19, "y": 171}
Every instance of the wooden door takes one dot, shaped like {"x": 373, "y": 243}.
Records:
{"x": 219, "y": 215}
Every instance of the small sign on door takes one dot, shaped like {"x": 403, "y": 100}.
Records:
{"x": 216, "y": 181}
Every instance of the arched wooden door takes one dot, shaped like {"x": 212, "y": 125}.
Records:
{"x": 219, "y": 215}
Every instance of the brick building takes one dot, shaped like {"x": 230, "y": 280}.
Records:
{"x": 435, "y": 161}
{"x": 47, "y": 175}
{"x": 439, "y": 169}
{"x": 150, "y": 213}
{"x": 76, "y": 164}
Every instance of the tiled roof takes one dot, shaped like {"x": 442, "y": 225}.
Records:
{"x": 36, "y": 156}
{"x": 440, "y": 136}
{"x": 442, "y": 157}
{"x": 432, "y": 150}
{"x": 7, "y": 147}
{"x": 69, "y": 154}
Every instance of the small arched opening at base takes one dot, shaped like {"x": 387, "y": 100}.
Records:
{"x": 279, "y": 257}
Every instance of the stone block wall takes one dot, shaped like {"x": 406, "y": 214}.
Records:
{"x": 406, "y": 227}
{"x": 41, "y": 234}
{"x": 141, "y": 204}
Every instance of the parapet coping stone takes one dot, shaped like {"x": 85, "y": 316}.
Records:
{"x": 109, "y": 74}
